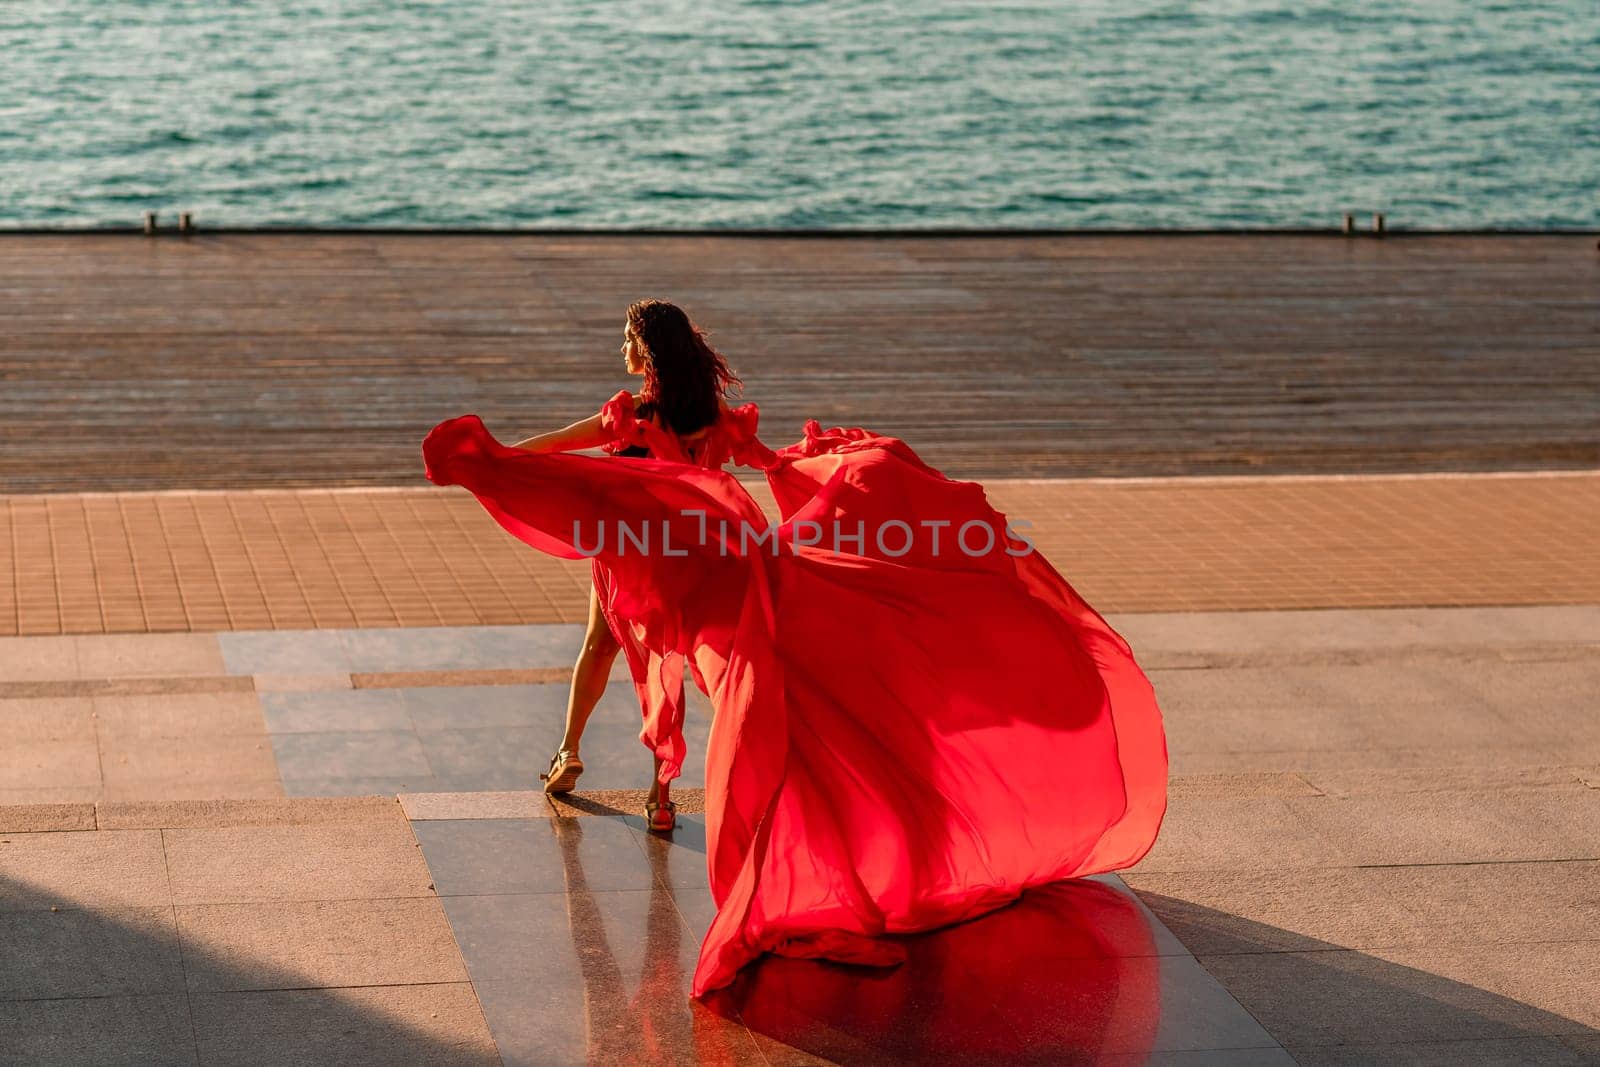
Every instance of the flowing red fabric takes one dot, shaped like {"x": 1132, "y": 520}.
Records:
{"x": 915, "y": 716}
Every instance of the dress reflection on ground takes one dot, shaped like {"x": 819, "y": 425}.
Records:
{"x": 1067, "y": 974}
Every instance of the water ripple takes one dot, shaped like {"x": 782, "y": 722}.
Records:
{"x": 726, "y": 113}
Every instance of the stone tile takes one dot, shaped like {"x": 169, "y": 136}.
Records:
{"x": 218, "y": 759}
{"x": 128, "y": 719}
{"x": 532, "y": 856}
{"x": 1409, "y": 994}
{"x": 1220, "y": 1057}
{"x": 344, "y": 710}
{"x": 89, "y": 869}
{"x": 283, "y": 652}
{"x": 290, "y": 683}
{"x": 350, "y": 754}
{"x": 439, "y": 1025}
{"x": 1230, "y": 834}
{"x": 210, "y": 813}
{"x": 615, "y": 759}
{"x": 679, "y": 858}
{"x": 1524, "y": 1052}
{"x": 149, "y": 655}
{"x": 48, "y": 795}
{"x": 37, "y": 818}
{"x": 47, "y": 719}
{"x": 1345, "y": 707}
{"x": 1251, "y": 784}
{"x": 461, "y": 647}
{"x": 1162, "y": 941}
{"x": 1196, "y": 1014}
{"x": 49, "y": 764}
{"x": 330, "y": 861}
{"x": 118, "y": 1031}
{"x": 1557, "y": 981}
{"x": 542, "y": 707}
{"x": 1216, "y": 912}
{"x": 30, "y": 659}
{"x": 135, "y": 791}
{"x": 625, "y": 802}
{"x": 1381, "y": 781}
{"x": 305, "y": 944}
{"x": 524, "y": 804}
{"x": 385, "y": 787}
{"x": 556, "y": 1025}
{"x": 1509, "y": 824}
{"x": 501, "y": 759}
{"x": 1409, "y": 757}
{"x": 1357, "y": 629}
{"x": 591, "y": 976}
{"x": 77, "y": 953}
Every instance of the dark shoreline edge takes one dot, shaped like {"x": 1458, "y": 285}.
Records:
{"x": 805, "y": 234}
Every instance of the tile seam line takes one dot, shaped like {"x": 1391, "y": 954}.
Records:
{"x": 1176, "y": 481}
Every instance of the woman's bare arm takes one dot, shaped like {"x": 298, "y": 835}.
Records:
{"x": 585, "y": 434}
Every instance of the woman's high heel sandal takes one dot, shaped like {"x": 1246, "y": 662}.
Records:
{"x": 565, "y": 766}
{"x": 660, "y": 818}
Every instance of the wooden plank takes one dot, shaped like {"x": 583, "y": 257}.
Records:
{"x": 240, "y": 360}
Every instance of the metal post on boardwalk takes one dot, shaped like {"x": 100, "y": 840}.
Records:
{"x": 149, "y": 222}
{"x": 1349, "y": 225}
{"x": 185, "y": 223}
{"x": 1378, "y": 228}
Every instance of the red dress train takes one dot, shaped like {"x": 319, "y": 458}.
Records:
{"x": 915, "y": 717}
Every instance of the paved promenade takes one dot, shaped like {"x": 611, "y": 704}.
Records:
{"x": 319, "y": 841}
{"x": 272, "y": 710}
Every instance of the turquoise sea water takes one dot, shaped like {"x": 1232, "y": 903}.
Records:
{"x": 778, "y": 113}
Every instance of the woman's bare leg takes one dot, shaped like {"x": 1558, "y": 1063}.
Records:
{"x": 590, "y": 673}
{"x": 658, "y": 793}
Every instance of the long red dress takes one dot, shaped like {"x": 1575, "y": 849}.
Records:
{"x": 909, "y": 730}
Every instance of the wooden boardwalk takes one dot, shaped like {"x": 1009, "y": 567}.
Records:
{"x": 281, "y": 360}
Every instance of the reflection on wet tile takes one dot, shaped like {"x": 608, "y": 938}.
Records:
{"x": 1129, "y": 1005}
{"x": 588, "y": 976}
{"x": 479, "y": 856}
{"x": 349, "y": 754}
{"x": 679, "y": 858}
{"x": 324, "y": 710}
{"x": 1067, "y": 974}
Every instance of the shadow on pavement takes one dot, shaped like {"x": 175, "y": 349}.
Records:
{"x": 112, "y": 985}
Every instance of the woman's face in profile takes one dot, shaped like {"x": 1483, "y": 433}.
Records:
{"x": 632, "y": 349}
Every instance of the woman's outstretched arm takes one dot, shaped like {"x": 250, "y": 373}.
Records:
{"x": 587, "y": 433}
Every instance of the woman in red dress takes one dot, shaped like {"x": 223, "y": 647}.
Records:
{"x": 916, "y": 718}
{"x": 674, "y": 417}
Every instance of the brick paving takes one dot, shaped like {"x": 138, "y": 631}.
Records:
{"x": 299, "y": 559}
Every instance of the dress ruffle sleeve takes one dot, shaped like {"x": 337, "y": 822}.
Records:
{"x": 744, "y": 447}
{"x": 618, "y": 419}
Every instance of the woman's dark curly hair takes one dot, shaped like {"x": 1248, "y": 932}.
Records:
{"x": 684, "y": 377}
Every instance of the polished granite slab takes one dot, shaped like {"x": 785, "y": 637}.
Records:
{"x": 581, "y": 935}
{"x": 335, "y": 742}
